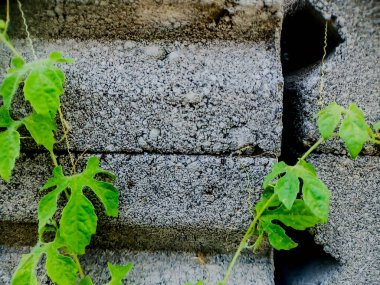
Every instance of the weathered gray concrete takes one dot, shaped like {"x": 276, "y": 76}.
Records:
{"x": 167, "y": 202}
{"x": 351, "y": 71}
{"x": 352, "y": 233}
{"x": 154, "y": 268}
{"x": 150, "y": 19}
{"x": 210, "y": 97}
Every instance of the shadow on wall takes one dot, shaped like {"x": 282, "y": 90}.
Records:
{"x": 302, "y": 42}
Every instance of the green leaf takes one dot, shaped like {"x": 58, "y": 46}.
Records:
{"x": 57, "y": 57}
{"x": 42, "y": 128}
{"x": 200, "y": 282}
{"x": 61, "y": 269}
{"x": 304, "y": 169}
{"x": 316, "y": 197}
{"x": 328, "y": 119}
{"x": 118, "y": 272}
{"x": 299, "y": 217}
{"x": 43, "y": 87}
{"x": 5, "y": 118}
{"x": 354, "y": 130}
{"x": 278, "y": 238}
{"x": 78, "y": 222}
{"x": 58, "y": 180}
{"x": 267, "y": 194}
{"x": 93, "y": 168}
{"x": 47, "y": 208}
{"x": 26, "y": 271}
{"x": 107, "y": 194}
{"x": 277, "y": 169}
{"x": 287, "y": 188}
{"x": 17, "y": 63}
{"x": 86, "y": 281}
{"x": 10, "y": 151}
{"x": 9, "y": 87}
{"x": 376, "y": 126}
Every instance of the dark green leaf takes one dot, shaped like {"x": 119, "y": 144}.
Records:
{"x": 42, "y": 89}
{"x": 78, "y": 222}
{"x": 42, "y": 128}
{"x": 277, "y": 169}
{"x": 5, "y": 118}
{"x": 354, "y": 130}
{"x": 118, "y": 272}
{"x": 299, "y": 217}
{"x": 26, "y": 271}
{"x": 328, "y": 119}
{"x": 287, "y": 188}
{"x": 61, "y": 269}
{"x": 316, "y": 197}
{"x": 10, "y": 151}
{"x": 278, "y": 238}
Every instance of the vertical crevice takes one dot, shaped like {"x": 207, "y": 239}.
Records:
{"x": 302, "y": 43}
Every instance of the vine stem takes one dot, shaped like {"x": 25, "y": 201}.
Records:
{"x": 249, "y": 233}
{"x": 306, "y": 154}
{"x": 77, "y": 262}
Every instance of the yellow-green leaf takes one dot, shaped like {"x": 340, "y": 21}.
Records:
{"x": 328, "y": 119}
{"x": 9, "y": 152}
{"x": 118, "y": 272}
{"x": 278, "y": 238}
{"x": 26, "y": 271}
{"x": 316, "y": 197}
{"x": 276, "y": 170}
{"x": 86, "y": 281}
{"x": 287, "y": 188}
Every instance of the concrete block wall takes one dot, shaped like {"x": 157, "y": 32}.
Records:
{"x": 166, "y": 93}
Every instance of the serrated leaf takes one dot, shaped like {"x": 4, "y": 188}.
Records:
{"x": 9, "y": 87}
{"x": 376, "y": 126}
{"x": 61, "y": 269}
{"x": 5, "y": 118}
{"x": 328, "y": 119}
{"x": 316, "y": 197}
{"x": 41, "y": 128}
{"x": 10, "y": 151}
{"x": 287, "y": 188}
{"x": 277, "y": 169}
{"x": 42, "y": 89}
{"x": 78, "y": 222}
{"x": 278, "y": 238}
{"x": 267, "y": 194}
{"x": 299, "y": 217}
{"x": 47, "y": 208}
{"x": 26, "y": 271}
{"x": 118, "y": 272}
{"x": 57, "y": 57}
{"x": 354, "y": 130}
{"x": 86, "y": 281}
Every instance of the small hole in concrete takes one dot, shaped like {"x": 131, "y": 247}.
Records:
{"x": 302, "y": 38}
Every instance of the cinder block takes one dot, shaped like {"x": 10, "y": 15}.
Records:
{"x": 210, "y": 97}
{"x": 175, "y": 202}
{"x": 352, "y": 233}
{"x": 154, "y": 268}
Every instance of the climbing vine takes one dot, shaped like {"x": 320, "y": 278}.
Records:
{"x": 61, "y": 237}
{"x": 293, "y": 195}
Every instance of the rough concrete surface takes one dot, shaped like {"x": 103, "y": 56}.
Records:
{"x": 351, "y": 71}
{"x": 352, "y": 233}
{"x": 209, "y": 97}
{"x": 150, "y": 19}
{"x": 158, "y": 268}
{"x": 167, "y": 201}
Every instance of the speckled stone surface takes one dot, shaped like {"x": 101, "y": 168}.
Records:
{"x": 352, "y": 233}
{"x": 211, "y": 97}
{"x": 167, "y": 201}
{"x": 150, "y": 19}
{"x": 158, "y": 268}
{"x": 351, "y": 71}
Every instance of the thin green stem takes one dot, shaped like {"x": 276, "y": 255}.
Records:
{"x": 320, "y": 141}
{"x": 77, "y": 262}
{"x": 249, "y": 233}
{"x": 8, "y": 17}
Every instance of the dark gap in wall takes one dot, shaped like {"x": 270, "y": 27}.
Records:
{"x": 302, "y": 42}
{"x": 302, "y": 38}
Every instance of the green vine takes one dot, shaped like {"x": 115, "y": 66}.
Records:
{"x": 60, "y": 239}
{"x": 292, "y": 195}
